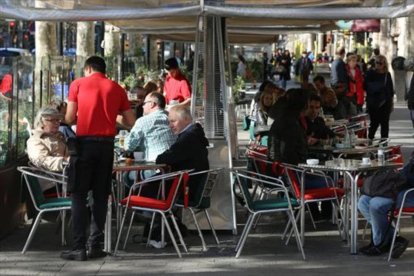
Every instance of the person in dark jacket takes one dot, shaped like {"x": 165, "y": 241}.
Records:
{"x": 380, "y": 94}
{"x": 287, "y": 138}
{"x": 316, "y": 128}
{"x": 410, "y": 100}
{"x": 190, "y": 149}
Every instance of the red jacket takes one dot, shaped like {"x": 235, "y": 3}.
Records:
{"x": 356, "y": 85}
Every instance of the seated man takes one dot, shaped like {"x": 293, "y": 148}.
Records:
{"x": 316, "y": 128}
{"x": 328, "y": 96}
{"x": 151, "y": 133}
{"x": 376, "y": 210}
{"x": 190, "y": 149}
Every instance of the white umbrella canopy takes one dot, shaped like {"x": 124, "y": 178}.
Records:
{"x": 178, "y": 18}
{"x": 83, "y": 10}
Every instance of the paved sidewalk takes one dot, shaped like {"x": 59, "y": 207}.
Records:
{"x": 263, "y": 254}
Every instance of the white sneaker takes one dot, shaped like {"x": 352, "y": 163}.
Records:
{"x": 157, "y": 244}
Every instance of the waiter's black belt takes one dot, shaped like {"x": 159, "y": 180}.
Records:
{"x": 96, "y": 139}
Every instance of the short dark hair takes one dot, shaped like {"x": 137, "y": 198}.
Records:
{"x": 96, "y": 63}
{"x": 314, "y": 97}
{"x": 159, "y": 99}
{"x": 170, "y": 63}
{"x": 319, "y": 78}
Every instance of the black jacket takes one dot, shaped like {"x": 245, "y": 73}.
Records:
{"x": 379, "y": 88}
{"x": 188, "y": 152}
{"x": 318, "y": 129}
{"x": 410, "y": 95}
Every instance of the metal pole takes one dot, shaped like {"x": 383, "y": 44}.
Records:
{"x": 195, "y": 67}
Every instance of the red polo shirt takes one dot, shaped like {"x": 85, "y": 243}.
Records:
{"x": 6, "y": 84}
{"x": 99, "y": 102}
{"x": 177, "y": 88}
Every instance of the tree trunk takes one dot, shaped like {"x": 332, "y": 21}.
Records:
{"x": 45, "y": 44}
{"x": 85, "y": 44}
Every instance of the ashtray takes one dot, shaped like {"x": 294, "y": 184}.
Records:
{"x": 312, "y": 161}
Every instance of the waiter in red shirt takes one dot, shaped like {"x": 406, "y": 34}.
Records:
{"x": 177, "y": 89}
{"x": 96, "y": 104}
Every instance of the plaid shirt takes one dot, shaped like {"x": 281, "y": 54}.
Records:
{"x": 152, "y": 134}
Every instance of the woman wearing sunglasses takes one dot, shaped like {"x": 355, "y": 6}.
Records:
{"x": 379, "y": 97}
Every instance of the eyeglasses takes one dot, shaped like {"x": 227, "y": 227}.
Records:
{"x": 56, "y": 121}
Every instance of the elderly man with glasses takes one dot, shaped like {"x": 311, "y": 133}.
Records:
{"x": 151, "y": 133}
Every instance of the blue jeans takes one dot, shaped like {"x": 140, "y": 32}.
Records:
{"x": 375, "y": 210}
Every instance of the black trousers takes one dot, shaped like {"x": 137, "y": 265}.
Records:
{"x": 93, "y": 173}
{"x": 379, "y": 117}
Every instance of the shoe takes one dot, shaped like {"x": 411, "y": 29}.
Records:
{"x": 400, "y": 246}
{"x": 364, "y": 249}
{"x": 74, "y": 255}
{"x": 96, "y": 252}
{"x": 372, "y": 251}
{"x": 157, "y": 244}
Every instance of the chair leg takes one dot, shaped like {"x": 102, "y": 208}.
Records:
{"x": 397, "y": 225}
{"x": 311, "y": 217}
{"x": 32, "y": 231}
{"x": 287, "y": 228}
{"x": 297, "y": 236}
{"x": 365, "y": 230}
{"x": 292, "y": 230}
{"x": 150, "y": 230}
{"x": 243, "y": 238}
{"x": 63, "y": 227}
{"x": 120, "y": 231}
{"x": 211, "y": 226}
{"x": 167, "y": 225}
{"x": 243, "y": 233}
{"x": 180, "y": 237}
{"x": 203, "y": 243}
{"x": 129, "y": 229}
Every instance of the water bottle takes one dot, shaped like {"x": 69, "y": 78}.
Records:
{"x": 347, "y": 140}
{"x": 381, "y": 157}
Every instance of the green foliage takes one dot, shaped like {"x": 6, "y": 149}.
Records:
{"x": 238, "y": 84}
{"x": 130, "y": 81}
{"x": 257, "y": 70}
{"x": 141, "y": 76}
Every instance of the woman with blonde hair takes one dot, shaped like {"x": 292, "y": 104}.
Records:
{"x": 47, "y": 146}
{"x": 355, "y": 93}
{"x": 380, "y": 94}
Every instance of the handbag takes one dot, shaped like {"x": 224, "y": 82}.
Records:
{"x": 384, "y": 183}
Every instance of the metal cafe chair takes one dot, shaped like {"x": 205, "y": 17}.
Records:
{"x": 277, "y": 204}
{"x": 136, "y": 202}
{"x": 200, "y": 199}
{"x": 402, "y": 211}
{"x": 43, "y": 205}
{"x": 296, "y": 177}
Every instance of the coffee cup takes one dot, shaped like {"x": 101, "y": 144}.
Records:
{"x": 366, "y": 161}
{"x": 138, "y": 155}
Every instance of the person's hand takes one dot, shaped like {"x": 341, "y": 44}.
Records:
{"x": 312, "y": 141}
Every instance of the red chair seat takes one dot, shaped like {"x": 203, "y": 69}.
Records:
{"x": 405, "y": 210}
{"x": 146, "y": 202}
{"x": 321, "y": 193}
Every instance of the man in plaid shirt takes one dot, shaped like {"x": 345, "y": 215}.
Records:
{"x": 151, "y": 133}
